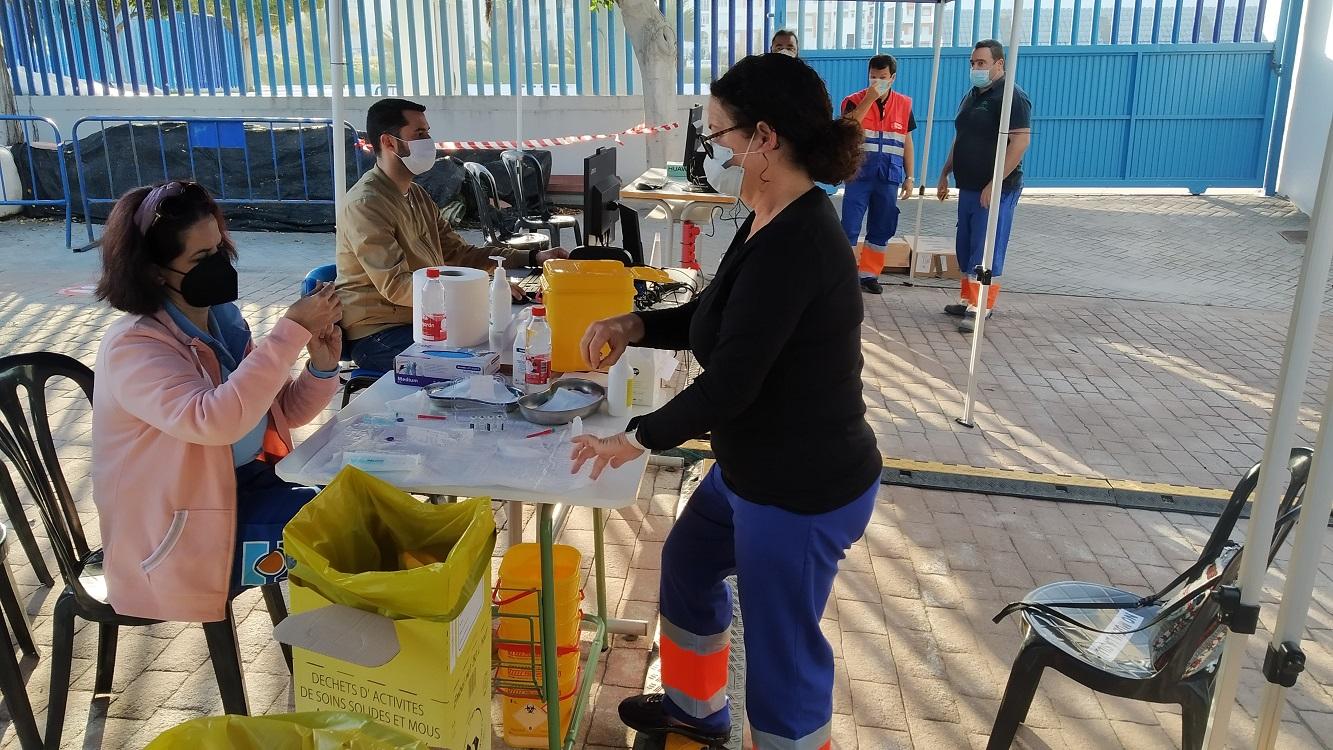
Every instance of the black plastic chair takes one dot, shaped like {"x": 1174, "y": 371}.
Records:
{"x": 534, "y": 211}
{"x": 486, "y": 194}
{"x": 25, "y": 440}
{"x": 1160, "y": 648}
{"x": 11, "y": 676}
{"x": 353, "y": 378}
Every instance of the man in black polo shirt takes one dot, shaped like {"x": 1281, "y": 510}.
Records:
{"x": 972, "y": 163}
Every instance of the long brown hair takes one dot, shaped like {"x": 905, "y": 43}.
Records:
{"x": 131, "y": 281}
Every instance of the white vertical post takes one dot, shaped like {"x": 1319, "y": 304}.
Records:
{"x": 924, "y": 160}
{"x": 338, "y": 72}
{"x": 522, "y": 64}
{"x": 993, "y": 215}
{"x": 1307, "y": 543}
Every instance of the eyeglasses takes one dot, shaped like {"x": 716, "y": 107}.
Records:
{"x": 707, "y": 140}
{"x": 151, "y": 209}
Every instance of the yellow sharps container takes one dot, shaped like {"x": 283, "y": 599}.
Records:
{"x": 578, "y": 293}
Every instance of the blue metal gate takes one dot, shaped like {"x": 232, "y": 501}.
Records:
{"x": 1110, "y": 115}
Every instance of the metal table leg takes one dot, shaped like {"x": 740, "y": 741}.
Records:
{"x": 514, "y": 516}
{"x": 550, "y": 675}
{"x": 629, "y": 628}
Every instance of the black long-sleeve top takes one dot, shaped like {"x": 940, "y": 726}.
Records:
{"x": 778, "y": 334}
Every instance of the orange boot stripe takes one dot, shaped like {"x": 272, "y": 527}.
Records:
{"x": 699, "y": 676}
{"x": 991, "y": 296}
{"x": 872, "y": 259}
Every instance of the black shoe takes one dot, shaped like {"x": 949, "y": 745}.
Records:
{"x": 957, "y": 310}
{"x": 969, "y": 322}
{"x": 647, "y": 714}
{"x": 872, "y": 286}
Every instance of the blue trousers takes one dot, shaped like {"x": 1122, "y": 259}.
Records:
{"x": 264, "y": 505}
{"x": 880, "y": 199}
{"x": 376, "y": 351}
{"x": 785, "y": 564}
{"x": 971, "y": 240}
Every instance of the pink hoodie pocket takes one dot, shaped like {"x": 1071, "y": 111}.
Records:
{"x": 168, "y": 543}
{"x": 193, "y": 536}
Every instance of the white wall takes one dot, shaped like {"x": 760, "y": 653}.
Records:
{"x": 451, "y": 118}
{"x": 1311, "y": 107}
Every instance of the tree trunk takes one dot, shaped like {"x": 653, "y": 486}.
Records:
{"x": 655, "y": 49}
{"x": 12, "y": 132}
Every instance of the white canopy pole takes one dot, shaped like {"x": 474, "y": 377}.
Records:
{"x": 924, "y": 161}
{"x": 1307, "y": 543}
{"x": 993, "y": 215}
{"x": 337, "y": 131}
{"x": 519, "y": 50}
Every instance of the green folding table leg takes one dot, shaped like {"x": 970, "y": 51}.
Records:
{"x": 550, "y": 675}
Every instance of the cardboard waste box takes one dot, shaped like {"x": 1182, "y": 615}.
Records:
{"x": 320, "y": 730}
{"x": 897, "y": 255}
{"x": 390, "y": 613}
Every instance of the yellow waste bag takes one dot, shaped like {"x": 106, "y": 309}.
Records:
{"x": 319, "y": 730}
{"x": 348, "y": 544}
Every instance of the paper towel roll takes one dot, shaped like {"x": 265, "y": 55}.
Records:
{"x": 466, "y": 305}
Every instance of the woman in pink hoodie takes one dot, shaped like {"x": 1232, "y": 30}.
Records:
{"x": 190, "y": 414}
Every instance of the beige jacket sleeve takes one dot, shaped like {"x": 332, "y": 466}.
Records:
{"x": 457, "y": 252}
{"x": 369, "y": 232}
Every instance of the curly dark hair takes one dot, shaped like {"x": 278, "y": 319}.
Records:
{"x": 130, "y": 281}
{"x": 790, "y": 96}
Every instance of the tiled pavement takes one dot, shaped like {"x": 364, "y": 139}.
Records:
{"x": 1082, "y": 385}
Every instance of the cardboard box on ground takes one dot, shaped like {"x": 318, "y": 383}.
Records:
{"x": 937, "y": 266}
{"x": 390, "y": 610}
{"x": 437, "y": 687}
{"x": 897, "y": 255}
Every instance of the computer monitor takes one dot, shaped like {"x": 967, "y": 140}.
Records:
{"x": 694, "y": 153}
{"x": 601, "y": 193}
{"x": 630, "y": 238}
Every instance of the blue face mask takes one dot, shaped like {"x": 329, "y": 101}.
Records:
{"x": 980, "y": 78}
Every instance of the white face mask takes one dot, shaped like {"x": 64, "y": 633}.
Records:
{"x": 420, "y": 155}
{"x": 788, "y": 52}
{"x": 881, "y": 85}
{"x": 726, "y": 180}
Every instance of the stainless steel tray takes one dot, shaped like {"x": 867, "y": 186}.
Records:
{"x": 436, "y": 395}
{"x": 530, "y": 405}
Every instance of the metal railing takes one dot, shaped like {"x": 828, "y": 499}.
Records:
{"x": 240, "y": 160}
{"x": 24, "y": 153}
{"x": 494, "y": 47}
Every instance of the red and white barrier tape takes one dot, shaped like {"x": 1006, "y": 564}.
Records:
{"x": 566, "y": 140}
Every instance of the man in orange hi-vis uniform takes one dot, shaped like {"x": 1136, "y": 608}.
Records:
{"x": 886, "y": 117}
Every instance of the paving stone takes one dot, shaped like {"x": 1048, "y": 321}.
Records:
{"x": 877, "y": 705}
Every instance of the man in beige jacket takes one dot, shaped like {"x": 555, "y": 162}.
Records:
{"x": 389, "y": 228}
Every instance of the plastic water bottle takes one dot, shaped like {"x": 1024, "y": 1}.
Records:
{"x": 433, "y": 326}
{"x": 618, "y": 390}
{"x": 537, "y": 354}
{"x": 501, "y": 303}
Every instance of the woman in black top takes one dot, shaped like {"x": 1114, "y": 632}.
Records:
{"x": 778, "y": 335}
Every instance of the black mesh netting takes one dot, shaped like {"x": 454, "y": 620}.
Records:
{"x": 268, "y": 178}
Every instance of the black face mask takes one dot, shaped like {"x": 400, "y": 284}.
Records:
{"x": 211, "y": 282}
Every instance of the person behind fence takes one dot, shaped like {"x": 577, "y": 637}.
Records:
{"x": 797, "y": 468}
{"x": 886, "y": 117}
{"x": 391, "y": 227}
{"x": 784, "y": 42}
{"x": 191, "y": 412}
{"x": 972, "y": 163}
